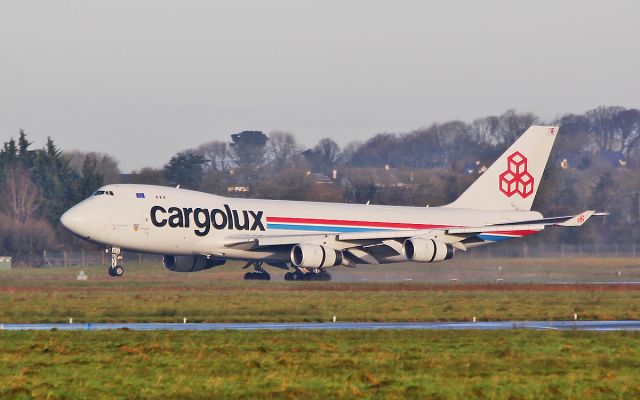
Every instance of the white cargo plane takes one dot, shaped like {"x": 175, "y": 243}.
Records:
{"x": 197, "y": 231}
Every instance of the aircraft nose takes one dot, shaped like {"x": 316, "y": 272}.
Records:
{"x": 75, "y": 220}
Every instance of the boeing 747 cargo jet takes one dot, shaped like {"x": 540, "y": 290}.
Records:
{"x": 195, "y": 231}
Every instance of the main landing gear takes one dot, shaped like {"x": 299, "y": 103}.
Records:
{"x": 115, "y": 270}
{"x": 312, "y": 275}
{"x": 300, "y": 274}
{"x": 259, "y": 275}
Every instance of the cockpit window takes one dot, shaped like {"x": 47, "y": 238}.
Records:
{"x": 105, "y": 192}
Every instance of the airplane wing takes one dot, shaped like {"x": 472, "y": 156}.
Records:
{"x": 366, "y": 245}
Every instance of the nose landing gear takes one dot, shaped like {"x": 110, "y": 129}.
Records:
{"x": 115, "y": 270}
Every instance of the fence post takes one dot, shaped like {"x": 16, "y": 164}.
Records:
{"x": 64, "y": 257}
{"x": 139, "y": 258}
{"x": 102, "y": 257}
{"x": 82, "y": 261}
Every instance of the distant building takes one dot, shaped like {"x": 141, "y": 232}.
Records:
{"x": 474, "y": 168}
{"x": 571, "y": 161}
{"x": 238, "y": 189}
{"x": 615, "y": 158}
{"x": 320, "y": 178}
{"x": 5, "y": 262}
{"x": 583, "y": 160}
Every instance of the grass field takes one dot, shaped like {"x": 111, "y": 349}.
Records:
{"x": 510, "y": 364}
{"x": 148, "y": 293}
{"x": 404, "y": 364}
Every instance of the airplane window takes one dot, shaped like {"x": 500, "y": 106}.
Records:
{"x": 99, "y": 192}
{"x": 110, "y": 193}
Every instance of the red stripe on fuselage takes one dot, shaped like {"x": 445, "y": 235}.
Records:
{"x": 372, "y": 224}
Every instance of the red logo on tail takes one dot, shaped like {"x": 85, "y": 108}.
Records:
{"x": 516, "y": 179}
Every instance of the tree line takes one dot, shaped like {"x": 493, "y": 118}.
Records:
{"x": 594, "y": 165}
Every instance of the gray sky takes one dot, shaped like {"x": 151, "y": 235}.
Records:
{"x": 142, "y": 80}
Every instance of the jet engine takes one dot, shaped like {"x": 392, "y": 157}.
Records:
{"x": 427, "y": 250}
{"x": 190, "y": 263}
{"x": 315, "y": 256}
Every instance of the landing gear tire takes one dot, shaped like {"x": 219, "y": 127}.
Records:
{"x": 324, "y": 276}
{"x": 307, "y": 276}
{"x": 257, "y": 276}
{"x": 116, "y": 271}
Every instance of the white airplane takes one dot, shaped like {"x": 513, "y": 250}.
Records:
{"x": 197, "y": 231}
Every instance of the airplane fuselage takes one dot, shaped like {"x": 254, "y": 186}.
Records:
{"x": 164, "y": 220}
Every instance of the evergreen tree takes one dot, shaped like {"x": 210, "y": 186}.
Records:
{"x": 185, "y": 169}
{"x": 249, "y": 150}
{"x": 24, "y": 154}
{"x": 92, "y": 178}
{"x": 57, "y": 183}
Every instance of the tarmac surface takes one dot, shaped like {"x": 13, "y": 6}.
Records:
{"x": 337, "y": 326}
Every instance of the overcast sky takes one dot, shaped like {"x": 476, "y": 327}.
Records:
{"x": 142, "y": 80}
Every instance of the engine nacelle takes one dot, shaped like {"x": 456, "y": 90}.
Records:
{"x": 190, "y": 263}
{"x": 427, "y": 250}
{"x": 315, "y": 256}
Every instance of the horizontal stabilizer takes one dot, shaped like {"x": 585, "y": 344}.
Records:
{"x": 581, "y": 218}
{"x": 537, "y": 224}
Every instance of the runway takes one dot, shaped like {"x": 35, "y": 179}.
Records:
{"x": 336, "y": 326}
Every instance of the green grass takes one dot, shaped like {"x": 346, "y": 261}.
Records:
{"x": 292, "y": 364}
{"x": 148, "y": 293}
{"x": 510, "y": 364}
{"x": 392, "y": 303}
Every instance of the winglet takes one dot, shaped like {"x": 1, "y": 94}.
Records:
{"x": 580, "y": 219}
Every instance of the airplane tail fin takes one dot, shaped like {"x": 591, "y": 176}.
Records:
{"x": 512, "y": 180}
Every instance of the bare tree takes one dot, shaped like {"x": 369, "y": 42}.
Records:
{"x": 149, "y": 176}
{"x": 502, "y": 130}
{"x": 18, "y": 238}
{"x": 512, "y": 124}
{"x": 324, "y": 156}
{"x": 104, "y": 163}
{"x": 350, "y": 149}
{"x": 217, "y": 155}
{"x": 282, "y": 149}
{"x": 20, "y": 196}
{"x": 628, "y": 122}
